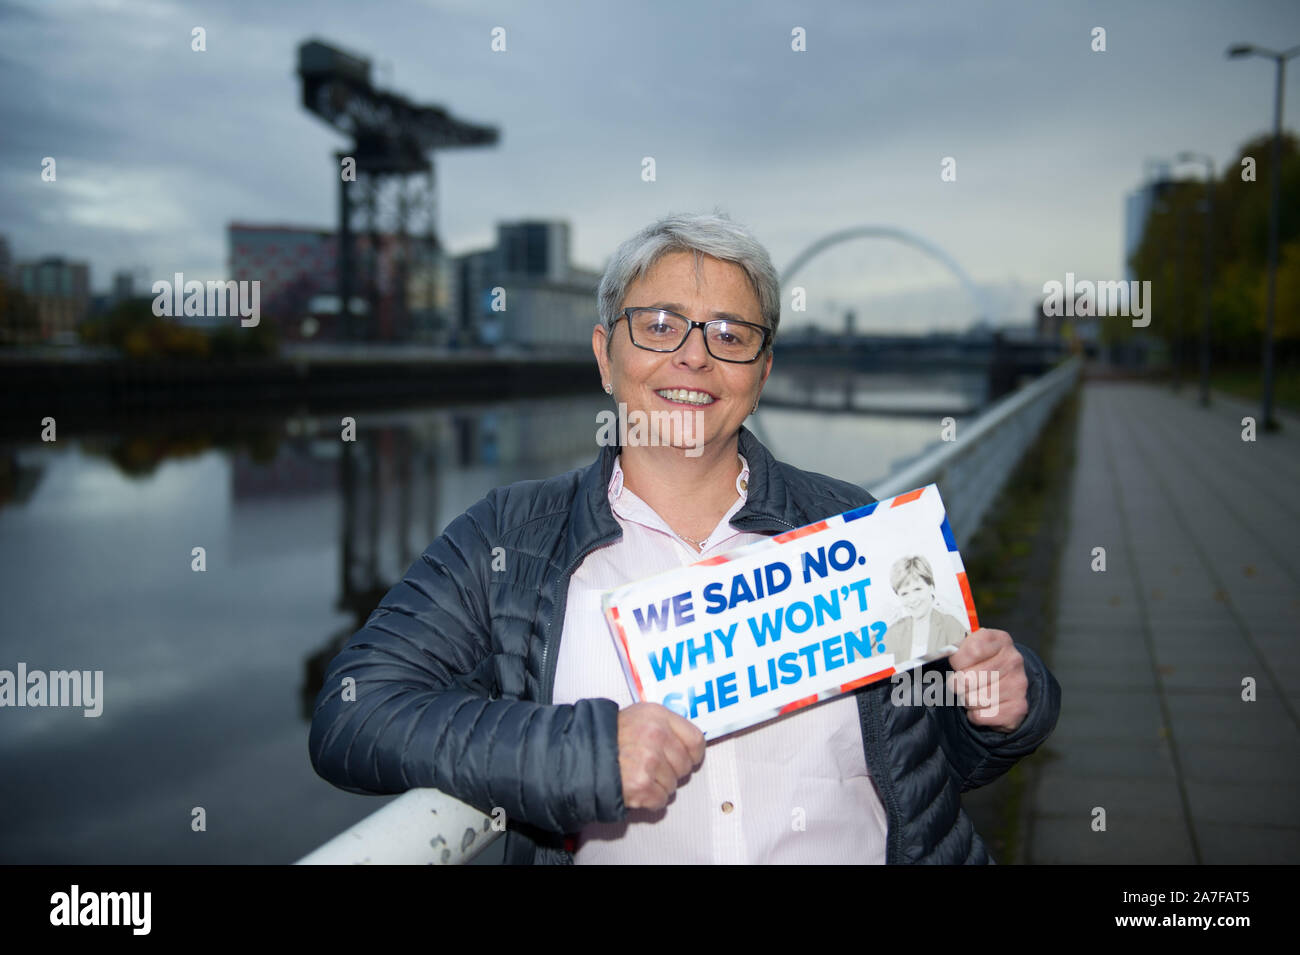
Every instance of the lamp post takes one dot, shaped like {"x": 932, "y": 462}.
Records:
{"x": 1206, "y": 270}
{"x": 1180, "y": 293}
{"x": 1266, "y": 413}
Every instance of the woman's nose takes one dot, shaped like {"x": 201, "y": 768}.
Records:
{"x": 695, "y": 349}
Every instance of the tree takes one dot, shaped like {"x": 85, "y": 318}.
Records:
{"x": 20, "y": 323}
{"x": 1171, "y": 255}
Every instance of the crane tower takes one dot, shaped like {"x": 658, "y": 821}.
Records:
{"x": 391, "y": 201}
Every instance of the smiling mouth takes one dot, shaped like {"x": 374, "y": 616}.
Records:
{"x": 686, "y": 396}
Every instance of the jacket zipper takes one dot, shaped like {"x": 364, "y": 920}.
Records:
{"x": 548, "y": 679}
{"x": 770, "y": 518}
{"x": 561, "y": 583}
{"x": 882, "y": 777}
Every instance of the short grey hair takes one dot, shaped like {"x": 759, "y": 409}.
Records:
{"x": 713, "y": 234}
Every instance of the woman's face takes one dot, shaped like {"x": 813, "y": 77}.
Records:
{"x": 639, "y": 377}
{"x": 917, "y": 596}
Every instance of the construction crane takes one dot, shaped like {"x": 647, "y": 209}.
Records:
{"x": 392, "y": 144}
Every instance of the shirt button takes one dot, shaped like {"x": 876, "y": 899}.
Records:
{"x": 744, "y": 485}
{"x": 727, "y": 807}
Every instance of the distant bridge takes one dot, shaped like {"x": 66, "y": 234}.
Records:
{"x": 938, "y": 352}
{"x": 837, "y": 359}
{"x": 921, "y": 244}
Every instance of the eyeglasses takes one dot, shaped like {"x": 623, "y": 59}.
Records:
{"x": 657, "y": 329}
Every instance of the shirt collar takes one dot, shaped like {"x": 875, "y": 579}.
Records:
{"x": 768, "y": 509}
{"x": 615, "y": 488}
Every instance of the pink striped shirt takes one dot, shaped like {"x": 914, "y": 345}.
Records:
{"x": 793, "y": 790}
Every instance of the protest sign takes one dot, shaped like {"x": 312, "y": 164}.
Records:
{"x": 780, "y": 624}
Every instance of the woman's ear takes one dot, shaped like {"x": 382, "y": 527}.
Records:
{"x": 599, "y": 342}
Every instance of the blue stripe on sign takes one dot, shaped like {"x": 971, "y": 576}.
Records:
{"x": 862, "y": 511}
{"x": 947, "y": 534}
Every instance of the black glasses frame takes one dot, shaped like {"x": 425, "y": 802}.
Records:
{"x": 767, "y": 333}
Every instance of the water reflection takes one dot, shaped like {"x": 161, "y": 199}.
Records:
{"x": 139, "y": 454}
{"x": 205, "y": 695}
{"x": 389, "y": 488}
{"x": 209, "y": 676}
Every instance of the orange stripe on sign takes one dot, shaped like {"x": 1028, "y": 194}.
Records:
{"x": 798, "y": 704}
{"x": 799, "y": 532}
{"x": 970, "y": 600}
{"x": 869, "y": 678}
{"x": 908, "y": 497}
{"x": 631, "y": 664}
{"x": 709, "y": 561}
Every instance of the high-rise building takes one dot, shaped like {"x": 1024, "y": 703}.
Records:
{"x": 298, "y": 271}
{"x": 524, "y": 291}
{"x": 534, "y": 249}
{"x": 123, "y": 286}
{"x": 1137, "y": 207}
{"x": 60, "y": 290}
{"x": 292, "y": 265}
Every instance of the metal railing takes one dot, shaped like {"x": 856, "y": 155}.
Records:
{"x": 972, "y": 470}
{"x": 419, "y": 827}
{"x": 428, "y": 827}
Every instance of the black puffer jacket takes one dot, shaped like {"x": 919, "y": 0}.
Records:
{"x": 454, "y": 673}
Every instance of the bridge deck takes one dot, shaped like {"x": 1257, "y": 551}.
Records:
{"x": 1201, "y": 590}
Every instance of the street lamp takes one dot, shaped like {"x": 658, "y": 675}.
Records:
{"x": 1240, "y": 50}
{"x": 1207, "y": 268}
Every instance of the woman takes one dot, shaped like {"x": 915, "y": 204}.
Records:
{"x": 502, "y": 687}
{"x": 924, "y": 630}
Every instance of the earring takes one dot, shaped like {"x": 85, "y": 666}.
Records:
{"x": 753, "y": 409}
{"x": 609, "y": 389}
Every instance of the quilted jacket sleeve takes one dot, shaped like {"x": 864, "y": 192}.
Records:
{"x": 426, "y": 712}
{"x": 976, "y": 755}
{"x": 979, "y": 755}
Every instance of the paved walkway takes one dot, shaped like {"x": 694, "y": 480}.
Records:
{"x": 1201, "y": 590}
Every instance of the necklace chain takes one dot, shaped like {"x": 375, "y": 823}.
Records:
{"x": 691, "y": 540}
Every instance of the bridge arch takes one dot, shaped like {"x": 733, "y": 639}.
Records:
{"x": 910, "y": 239}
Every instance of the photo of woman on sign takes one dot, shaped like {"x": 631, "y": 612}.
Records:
{"x": 489, "y": 671}
{"x": 925, "y": 630}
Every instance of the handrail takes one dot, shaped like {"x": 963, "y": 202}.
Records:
{"x": 419, "y": 827}
{"x": 972, "y": 470}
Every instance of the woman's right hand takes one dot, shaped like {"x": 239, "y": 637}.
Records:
{"x": 656, "y": 749}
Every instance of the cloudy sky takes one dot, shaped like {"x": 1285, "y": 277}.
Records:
{"x": 159, "y": 147}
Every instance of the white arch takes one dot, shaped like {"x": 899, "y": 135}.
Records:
{"x": 898, "y": 235}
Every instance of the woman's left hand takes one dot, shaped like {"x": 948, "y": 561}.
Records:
{"x": 991, "y": 671}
